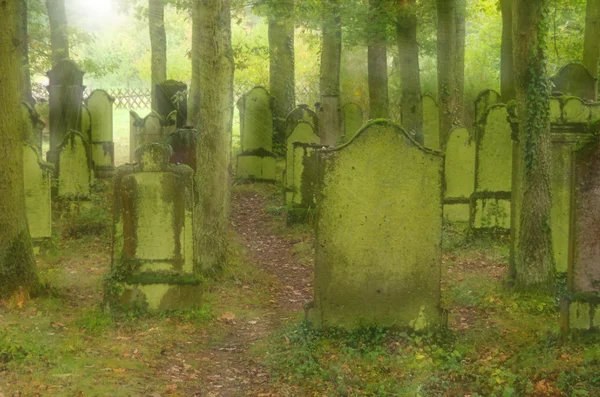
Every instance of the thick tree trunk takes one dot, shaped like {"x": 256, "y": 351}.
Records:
{"x": 281, "y": 57}
{"x": 410, "y": 77}
{"x": 461, "y": 35}
{"x": 59, "y": 37}
{"x": 533, "y": 260}
{"x": 591, "y": 46}
{"x": 17, "y": 264}
{"x": 507, "y": 78}
{"x": 25, "y": 81}
{"x": 158, "y": 44}
{"x": 377, "y": 62}
{"x": 213, "y": 84}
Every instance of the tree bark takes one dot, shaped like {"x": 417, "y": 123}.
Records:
{"x": 377, "y": 62}
{"x": 25, "y": 80}
{"x": 213, "y": 85}
{"x": 59, "y": 37}
{"x": 461, "y": 34}
{"x": 591, "y": 44}
{"x": 281, "y": 69}
{"x": 17, "y": 264}
{"x": 533, "y": 266}
{"x": 410, "y": 76}
{"x": 507, "y": 78}
{"x": 158, "y": 44}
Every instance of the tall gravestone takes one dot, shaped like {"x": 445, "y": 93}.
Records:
{"x": 184, "y": 143}
{"x": 378, "y": 232}
{"x": 575, "y": 80}
{"x": 153, "y": 254}
{"x": 302, "y": 113}
{"x": 256, "y": 160}
{"x": 352, "y": 119}
{"x": 65, "y": 101}
{"x": 330, "y": 127}
{"x": 74, "y": 168}
{"x": 490, "y": 203}
{"x": 459, "y": 175}
{"x": 484, "y": 100}
{"x": 100, "y": 105}
{"x": 37, "y": 181}
{"x": 152, "y": 128}
{"x": 431, "y": 123}
{"x": 171, "y": 96}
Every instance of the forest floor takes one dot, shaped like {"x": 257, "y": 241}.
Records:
{"x": 249, "y": 338}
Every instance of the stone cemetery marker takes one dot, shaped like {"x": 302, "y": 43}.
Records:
{"x": 86, "y": 123}
{"x": 183, "y": 143}
{"x": 459, "y": 174}
{"x": 574, "y": 79}
{"x": 379, "y": 232}
{"x": 171, "y": 96}
{"x": 352, "y": 119}
{"x": 100, "y": 105}
{"x": 490, "y": 203}
{"x": 152, "y": 128}
{"x": 66, "y": 97}
{"x": 301, "y": 113}
{"x": 484, "y": 100}
{"x": 37, "y": 180}
{"x": 431, "y": 123}
{"x": 33, "y": 125}
{"x": 256, "y": 160}
{"x": 152, "y": 263}
{"x": 329, "y": 120}
{"x": 74, "y": 167}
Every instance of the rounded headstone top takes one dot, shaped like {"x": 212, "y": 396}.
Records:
{"x": 153, "y": 156}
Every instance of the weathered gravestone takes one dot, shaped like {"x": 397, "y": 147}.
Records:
{"x": 575, "y": 80}
{"x": 256, "y": 160}
{"x": 184, "y": 142}
{"x": 171, "y": 96}
{"x": 378, "y": 232}
{"x": 152, "y": 128}
{"x": 330, "y": 128}
{"x": 37, "y": 181}
{"x": 490, "y": 203}
{"x": 66, "y": 98}
{"x": 431, "y": 123}
{"x": 33, "y": 125}
{"x": 459, "y": 175}
{"x": 74, "y": 168}
{"x": 304, "y": 134}
{"x": 484, "y": 100}
{"x": 301, "y": 113}
{"x": 352, "y": 119}
{"x": 86, "y": 123}
{"x": 152, "y": 258}
{"x": 100, "y": 105}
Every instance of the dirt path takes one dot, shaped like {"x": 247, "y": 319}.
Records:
{"x": 228, "y": 370}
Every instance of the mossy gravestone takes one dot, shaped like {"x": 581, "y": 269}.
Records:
{"x": 152, "y": 128}
{"x": 352, "y": 119}
{"x": 152, "y": 263}
{"x": 379, "y": 232}
{"x": 459, "y": 174}
{"x": 256, "y": 160}
{"x": 431, "y": 123}
{"x": 484, "y": 100}
{"x": 74, "y": 167}
{"x": 490, "y": 203}
{"x": 37, "y": 181}
{"x": 294, "y": 166}
{"x": 575, "y": 80}
{"x": 301, "y": 113}
{"x": 100, "y": 105}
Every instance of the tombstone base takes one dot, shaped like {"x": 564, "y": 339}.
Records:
{"x": 103, "y": 155}
{"x": 580, "y": 316}
{"x": 154, "y": 297}
{"x": 457, "y": 212}
{"x": 104, "y": 172}
{"x": 490, "y": 211}
{"x": 256, "y": 167}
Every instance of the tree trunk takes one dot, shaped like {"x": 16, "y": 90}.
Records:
{"x": 25, "y": 81}
{"x": 461, "y": 34}
{"x": 591, "y": 45}
{"x": 213, "y": 85}
{"x": 281, "y": 70}
{"x": 410, "y": 77}
{"x": 17, "y": 264}
{"x": 533, "y": 260}
{"x": 158, "y": 44}
{"x": 507, "y": 78}
{"x": 59, "y": 37}
{"x": 377, "y": 62}
{"x": 329, "y": 85}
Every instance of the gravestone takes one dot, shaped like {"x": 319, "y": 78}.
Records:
{"x": 86, "y": 122}
{"x": 100, "y": 105}
{"x": 352, "y": 119}
{"x": 74, "y": 167}
{"x": 153, "y": 254}
{"x": 65, "y": 101}
{"x": 305, "y": 134}
{"x": 378, "y": 232}
{"x": 459, "y": 175}
{"x": 183, "y": 142}
{"x": 256, "y": 160}
{"x": 303, "y": 198}
{"x": 330, "y": 127}
{"x": 171, "y": 96}
{"x": 575, "y": 80}
{"x": 301, "y": 113}
{"x": 33, "y": 125}
{"x": 152, "y": 128}
{"x": 484, "y": 100}
{"x": 431, "y": 122}
{"x": 37, "y": 181}
{"x": 490, "y": 202}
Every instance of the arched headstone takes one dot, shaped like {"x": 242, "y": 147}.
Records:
{"x": 484, "y": 100}
{"x": 74, "y": 167}
{"x": 301, "y": 113}
{"x": 431, "y": 123}
{"x": 100, "y": 105}
{"x": 459, "y": 175}
{"x": 575, "y": 80}
{"x": 152, "y": 128}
